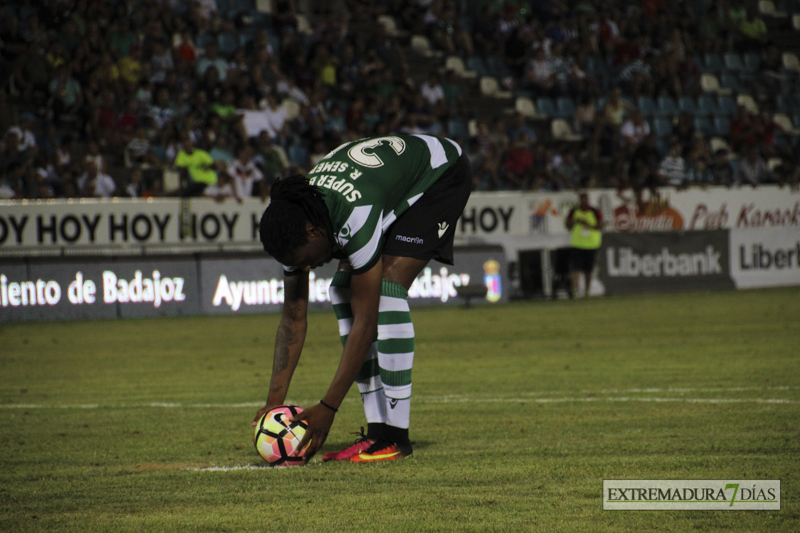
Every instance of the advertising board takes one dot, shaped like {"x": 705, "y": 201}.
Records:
{"x": 664, "y": 262}
{"x": 92, "y": 288}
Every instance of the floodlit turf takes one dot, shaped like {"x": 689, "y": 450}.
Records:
{"x": 520, "y": 411}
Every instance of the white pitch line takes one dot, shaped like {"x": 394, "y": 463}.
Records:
{"x": 419, "y": 399}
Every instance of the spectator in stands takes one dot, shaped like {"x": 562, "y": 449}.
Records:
{"x": 518, "y": 127}
{"x": 518, "y": 164}
{"x": 198, "y": 168}
{"x": 753, "y": 169}
{"x": 673, "y": 167}
{"x": 633, "y": 131}
{"x": 635, "y": 77}
{"x": 567, "y": 171}
{"x": 753, "y": 30}
{"x": 95, "y": 183}
{"x": 246, "y": 174}
{"x": 269, "y": 161}
{"x": 539, "y": 74}
{"x": 135, "y": 188}
{"x": 608, "y": 133}
{"x": 137, "y": 151}
{"x": 222, "y": 189}
{"x": 31, "y": 75}
{"x": 210, "y": 59}
{"x": 745, "y": 129}
{"x": 721, "y": 169}
{"x": 643, "y": 172}
{"x": 222, "y": 151}
{"x": 66, "y": 97}
{"x": 25, "y": 135}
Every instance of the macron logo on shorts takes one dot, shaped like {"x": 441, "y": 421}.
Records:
{"x": 410, "y": 240}
{"x": 443, "y": 228}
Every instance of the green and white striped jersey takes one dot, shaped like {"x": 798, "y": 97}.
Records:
{"x": 367, "y": 184}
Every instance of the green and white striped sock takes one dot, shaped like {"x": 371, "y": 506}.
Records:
{"x": 368, "y": 378}
{"x": 395, "y": 352}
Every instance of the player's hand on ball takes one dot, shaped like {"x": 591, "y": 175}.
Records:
{"x": 319, "y": 419}
{"x": 261, "y": 412}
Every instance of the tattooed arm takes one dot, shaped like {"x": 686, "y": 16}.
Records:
{"x": 289, "y": 339}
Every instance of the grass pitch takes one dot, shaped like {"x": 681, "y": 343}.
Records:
{"x": 519, "y": 412}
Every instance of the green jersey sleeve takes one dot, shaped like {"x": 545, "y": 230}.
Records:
{"x": 369, "y": 183}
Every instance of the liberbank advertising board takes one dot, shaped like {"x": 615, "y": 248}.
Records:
{"x": 89, "y": 288}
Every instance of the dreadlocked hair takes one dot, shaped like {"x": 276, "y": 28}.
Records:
{"x": 293, "y": 202}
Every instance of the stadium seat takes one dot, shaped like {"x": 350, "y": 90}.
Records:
{"x": 298, "y": 154}
{"x": 767, "y": 8}
{"x": 718, "y": 143}
{"x": 456, "y": 64}
{"x": 490, "y": 87}
{"x": 729, "y": 81}
{"x": 687, "y": 105}
{"x": 457, "y": 130}
{"x": 703, "y": 125}
{"x": 722, "y": 126}
{"x": 747, "y": 101}
{"x": 562, "y": 131}
{"x": 726, "y": 105}
{"x": 390, "y": 25}
{"x": 791, "y": 62}
{"x": 796, "y": 21}
{"x": 475, "y": 64}
{"x": 785, "y": 123}
{"x": 291, "y": 107}
{"x": 472, "y": 127}
{"x": 713, "y": 63}
{"x": 421, "y": 45}
{"x": 710, "y": 84}
{"x": 662, "y": 127}
{"x": 264, "y": 6}
{"x": 565, "y": 107}
{"x": 526, "y": 108}
{"x": 706, "y": 105}
{"x": 204, "y": 39}
{"x": 773, "y": 163}
{"x": 227, "y": 43}
{"x": 496, "y": 67}
{"x": 303, "y": 25}
{"x": 666, "y": 106}
{"x": 546, "y": 106}
{"x": 733, "y": 62}
{"x": 751, "y": 62}
{"x": 646, "y": 106}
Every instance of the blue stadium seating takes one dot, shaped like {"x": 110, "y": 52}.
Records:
{"x": 546, "y": 106}
{"x": 713, "y": 63}
{"x": 457, "y": 130}
{"x": 726, "y": 105}
{"x": 298, "y": 154}
{"x": 666, "y": 106}
{"x": 730, "y": 81}
{"x": 706, "y": 105}
{"x": 476, "y": 64}
{"x": 204, "y": 39}
{"x": 646, "y": 106}
{"x": 703, "y": 125}
{"x": 751, "y": 62}
{"x": 733, "y": 62}
{"x": 662, "y": 127}
{"x": 687, "y": 105}
{"x": 497, "y": 67}
{"x": 565, "y": 107}
{"x": 228, "y": 43}
{"x": 722, "y": 126}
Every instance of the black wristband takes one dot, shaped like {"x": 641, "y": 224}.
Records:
{"x": 335, "y": 410}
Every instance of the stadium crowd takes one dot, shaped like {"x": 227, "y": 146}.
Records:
{"x": 99, "y": 97}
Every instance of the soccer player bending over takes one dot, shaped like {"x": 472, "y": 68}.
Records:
{"x": 383, "y": 207}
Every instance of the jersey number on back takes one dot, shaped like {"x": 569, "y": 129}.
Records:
{"x": 358, "y": 154}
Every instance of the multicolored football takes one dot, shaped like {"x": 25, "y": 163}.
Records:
{"x": 276, "y": 439}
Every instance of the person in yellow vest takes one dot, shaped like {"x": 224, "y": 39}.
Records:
{"x": 199, "y": 167}
{"x": 585, "y": 224}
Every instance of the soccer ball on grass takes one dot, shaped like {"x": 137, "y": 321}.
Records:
{"x": 276, "y": 439}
